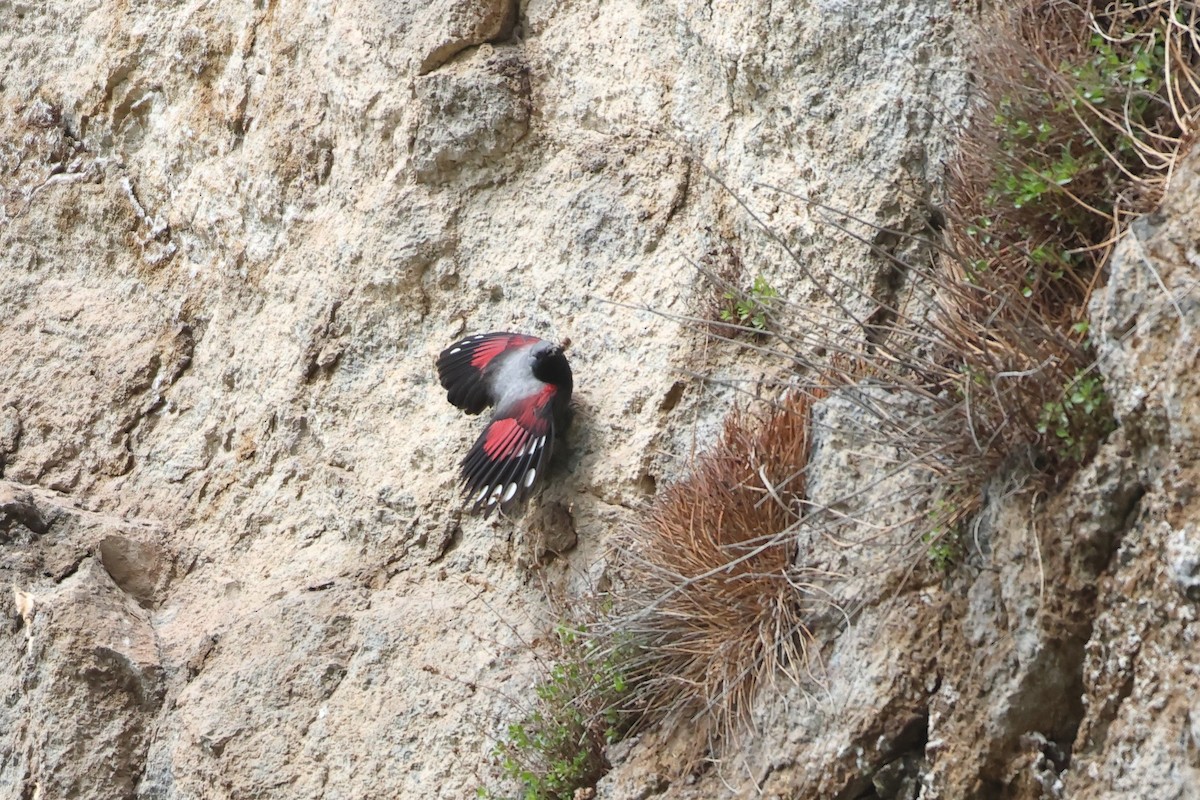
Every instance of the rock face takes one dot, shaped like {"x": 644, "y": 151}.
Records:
{"x": 83, "y": 679}
{"x": 1140, "y": 733}
{"x": 234, "y": 236}
{"x": 1059, "y": 659}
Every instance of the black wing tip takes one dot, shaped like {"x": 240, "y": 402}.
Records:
{"x": 507, "y": 490}
{"x": 504, "y": 484}
{"x": 463, "y": 383}
{"x": 470, "y": 397}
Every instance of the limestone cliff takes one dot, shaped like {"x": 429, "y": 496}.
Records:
{"x": 233, "y": 237}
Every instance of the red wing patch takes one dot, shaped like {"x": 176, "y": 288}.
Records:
{"x": 461, "y": 367}
{"x": 511, "y": 455}
{"x": 503, "y": 438}
{"x": 534, "y": 412}
{"x": 488, "y": 348}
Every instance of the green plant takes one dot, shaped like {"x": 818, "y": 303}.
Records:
{"x": 578, "y": 709}
{"x": 1080, "y": 419}
{"x": 1080, "y": 128}
{"x": 1033, "y": 166}
{"x": 752, "y": 308}
{"x": 1078, "y": 131}
{"x": 942, "y": 549}
{"x": 943, "y": 536}
{"x": 1131, "y": 69}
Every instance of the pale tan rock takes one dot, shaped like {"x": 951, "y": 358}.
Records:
{"x": 234, "y": 236}
{"x": 84, "y": 688}
{"x": 17, "y": 506}
{"x": 460, "y": 24}
{"x": 472, "y": 112}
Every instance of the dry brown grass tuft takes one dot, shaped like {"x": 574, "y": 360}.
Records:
{"x": 712, "y": 603}
{"x": 1082, "y": 112}
{"x": 1084, "y": 109}
{"x": 1080, "y": 115}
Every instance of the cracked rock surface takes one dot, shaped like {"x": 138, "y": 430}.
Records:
{"x": 1059, "y": 659}
{"x": 233, "y": 238}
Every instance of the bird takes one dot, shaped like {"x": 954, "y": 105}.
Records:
{"x": 528, "y": 382}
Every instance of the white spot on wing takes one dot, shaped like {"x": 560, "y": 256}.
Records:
{"x": 456, "y": 350}
{"x": 529, "y": 476}
{"x": 495, "y": 494}
{"x": 509, "y": 492}
{"x": 482, "y": 493}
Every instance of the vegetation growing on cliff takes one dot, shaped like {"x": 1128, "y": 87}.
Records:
{"x": 578, "y": 707}
{"x": 713, "y": 596}
{"x": 1081, "y": 112}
